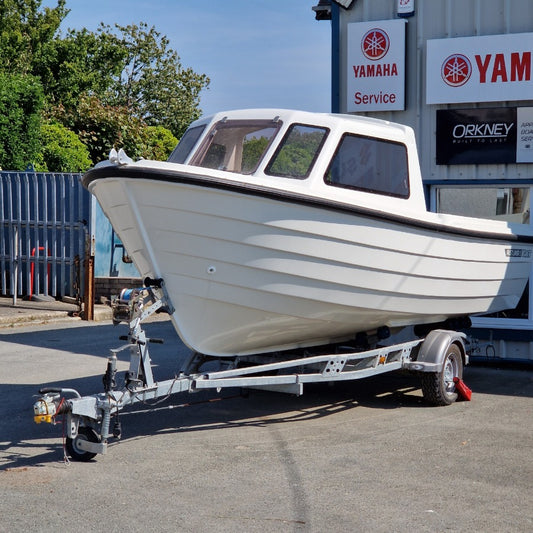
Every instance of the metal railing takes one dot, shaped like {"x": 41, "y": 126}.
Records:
{"x": 43, "y": 233}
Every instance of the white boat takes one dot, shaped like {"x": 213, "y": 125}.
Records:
{"x": 277, "y": 229}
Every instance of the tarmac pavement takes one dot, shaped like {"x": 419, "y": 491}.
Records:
{"x": 44, "y": 311}
{"x": 354, "y": 457}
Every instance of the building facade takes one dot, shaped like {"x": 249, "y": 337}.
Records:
{"x": 460, "y": 72}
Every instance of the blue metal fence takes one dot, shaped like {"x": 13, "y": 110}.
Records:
{"x": 44, "y": 221}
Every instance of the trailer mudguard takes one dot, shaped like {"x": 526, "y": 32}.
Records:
{"x": 434, "y": 348}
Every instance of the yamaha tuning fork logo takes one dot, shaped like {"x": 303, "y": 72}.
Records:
{"x": 375, "y": 44}
{"x": 456, "y": 70}
{"x": 376, "y": 65}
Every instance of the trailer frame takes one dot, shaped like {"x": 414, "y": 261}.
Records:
{"x": 438, "y": 358}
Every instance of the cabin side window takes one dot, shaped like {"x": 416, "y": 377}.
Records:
{"x": 236, "y": 145}
{"x": 186, "y": 144}
{"x": 371, "y": 165}
{"x": 297, "y": 152}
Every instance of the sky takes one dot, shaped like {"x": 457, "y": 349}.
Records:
{"x": 257, "y": 53}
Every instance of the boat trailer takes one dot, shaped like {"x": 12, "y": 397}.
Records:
{"x": 439, "y": 359}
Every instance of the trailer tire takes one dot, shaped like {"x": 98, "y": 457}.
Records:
{"x": 438, "y": 388}
{"x": 73, "y": 450}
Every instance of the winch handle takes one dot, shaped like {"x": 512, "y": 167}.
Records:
{"x": 58, "y": 390}
{"x": 48, "y": 390}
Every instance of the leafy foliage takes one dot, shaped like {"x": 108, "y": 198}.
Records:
{"x": 101, "y": 127}
{"x": 26, "y": 33}
{"x": 61, "y": 151}
{"x": 159, "y": 143}
{"x": 110, "y": 87}
{"x": 131, "y": 68}
{"x": 81, "y": 64}
{"x": 153, "y": 84}
{"x": 21, "y": 103}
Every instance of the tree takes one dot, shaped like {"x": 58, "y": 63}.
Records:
{"x": 26, "y": 33}
{"x": 130, "y": 67}
{"x": 159, "y": 143}
{"x": 21, "y": 104}
{"x": 61, "y": 151}
{"x": 109, "y": 87}
{"x": 81, "y": 64}
{"x": 106, "y": 86}
{"x": 154, "y": 84}
{"x": 102, "y": 127}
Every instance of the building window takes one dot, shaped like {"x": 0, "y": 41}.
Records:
{"x": 510, "y": 204}
{"x": 504, "y": 203}
{"x": 371, "y": 165}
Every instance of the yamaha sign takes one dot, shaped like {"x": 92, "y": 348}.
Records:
{"x": 490, "y": 68}
{"x": 376, "y": 66}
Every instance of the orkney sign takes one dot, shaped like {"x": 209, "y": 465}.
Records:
{"x": 376, "y": 66}
{"x": 476, "y": 136}
{"x": 496, "y": 135}
{"x": 490, "y": 68}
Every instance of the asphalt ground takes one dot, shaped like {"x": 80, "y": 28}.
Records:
{"x": 42, "y": 310}
{"x": 356, "y": 457}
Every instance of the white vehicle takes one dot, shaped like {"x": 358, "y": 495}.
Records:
{"x": 280, "y": 229}
{"x": 287, "y": 247}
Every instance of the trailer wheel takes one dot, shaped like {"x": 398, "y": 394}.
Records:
{"x": 438, "y": 388}
{"x": 73, "y": 449}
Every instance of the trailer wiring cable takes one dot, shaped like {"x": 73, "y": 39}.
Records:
{"x": 66, "y": 460}
{"x": 188, "y": 404}
{"x": 152, "y": 408}
{"x": 118, "y": 402}
{"x": 137, "y": 397}
{"x": 163, "y": 398}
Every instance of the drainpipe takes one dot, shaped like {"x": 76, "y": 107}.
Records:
{"x": 88, "y": 293}
{"x": 335, "y": 58}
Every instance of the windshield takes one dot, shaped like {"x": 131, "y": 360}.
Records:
{"x": 236, "y": 145}
{"x": 186, "y": 144}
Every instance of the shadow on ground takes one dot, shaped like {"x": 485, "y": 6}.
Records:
{"x": 24, "y": 443}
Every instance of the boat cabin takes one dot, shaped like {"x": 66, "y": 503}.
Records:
{"x": 343, "y": 157}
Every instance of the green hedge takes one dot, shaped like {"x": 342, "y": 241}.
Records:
{"x": 21, "y": 103}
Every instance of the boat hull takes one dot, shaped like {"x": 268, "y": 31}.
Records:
{"x": 251, "y": 273}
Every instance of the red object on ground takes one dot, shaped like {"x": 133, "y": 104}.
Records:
{"x": 464, "y": 392}
{"x": 32, "y": 269}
